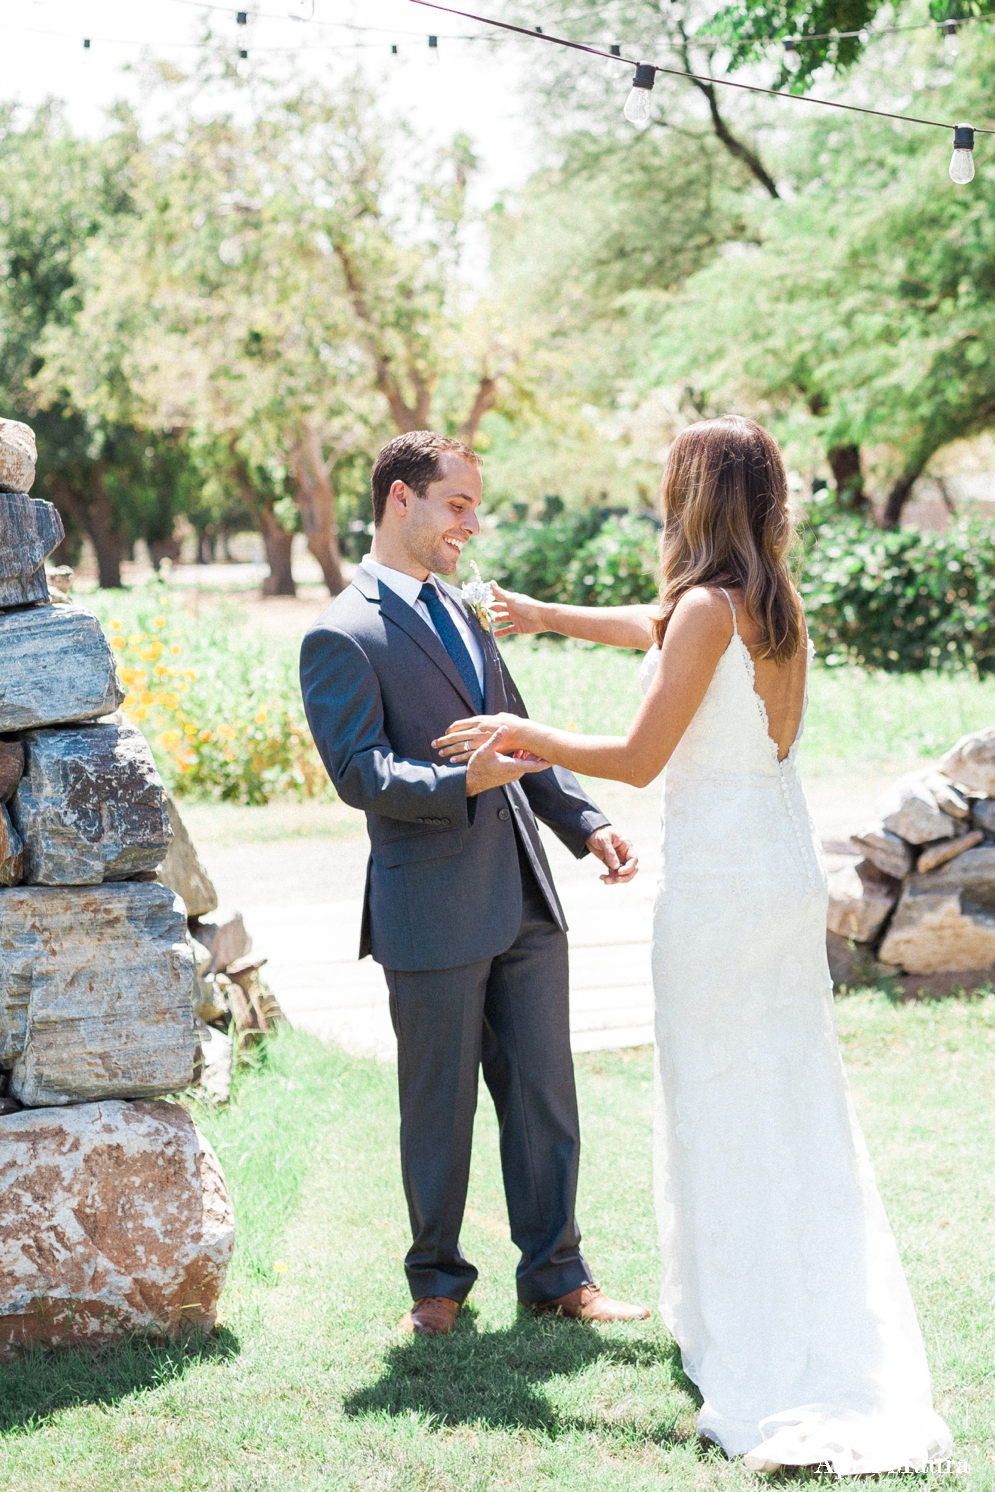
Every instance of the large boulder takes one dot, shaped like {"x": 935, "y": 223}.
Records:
{"x": 970, "y": 762}
{"x": 90, "y": 807}
{"x": 96, "y": 993}
{"x": 935, "y": 930}
{"x": 18, "y": 456}
{"x": 57, "y": 667}
{"x": 116, "y": 1219}
{"x": 182, "y": 871}
{"x": 910, "y": 810}
{"x": 29, "y": 531}
{"x": 860, "y": 898}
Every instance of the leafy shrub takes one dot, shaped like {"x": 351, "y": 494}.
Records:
{"x": 220, "y": 708}
{"x": 535, "y": 557}
{"x": 617, "y": 567}
{"x": 585, "y": 559}
{"x": 903, "y": 601}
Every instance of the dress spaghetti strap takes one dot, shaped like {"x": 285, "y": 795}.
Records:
{"x": 732, "y": 608}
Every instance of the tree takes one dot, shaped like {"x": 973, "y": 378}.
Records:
{"x": 864, "y": 318}
{"x": 265, "y": 301}
{"x": 57, "y": 194}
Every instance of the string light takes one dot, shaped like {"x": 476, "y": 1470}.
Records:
{"x": 433, "y": 50}
{"x": 951, "y": 45}
{"x": 963, "y": 133}
{"x": 962, "y": 160}
{"x": 86, "y": 44}
{"x": 241, "y": 18}
{"x": 638, "y": 107}
{"x": 792, "y": 56}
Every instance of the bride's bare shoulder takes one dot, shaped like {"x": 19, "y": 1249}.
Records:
{"x": 703, "y": 612}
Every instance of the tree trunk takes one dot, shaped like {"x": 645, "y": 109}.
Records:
{"x": 280, "y": 580}
{"x": 94, "y": 516}
{"x": 898, "y": 497}
{"x": 485, "y": 396}
{"x": 316, "y": 504}
{"x": 844, "y": 461}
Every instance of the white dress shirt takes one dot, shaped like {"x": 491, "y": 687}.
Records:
{"x": 408, "y": 587}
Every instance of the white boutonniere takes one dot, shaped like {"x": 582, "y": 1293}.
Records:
{"x": 478, "y": 596}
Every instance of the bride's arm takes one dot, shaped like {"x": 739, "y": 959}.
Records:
{"x": 618, "y": 626}
{"x": 697, "y": 636}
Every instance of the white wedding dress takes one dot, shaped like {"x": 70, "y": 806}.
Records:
{"x": 781, "y": 1278}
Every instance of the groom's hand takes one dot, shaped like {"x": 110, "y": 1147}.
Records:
{"x": 615, "y": 853}
{"x": 490, "y": 765}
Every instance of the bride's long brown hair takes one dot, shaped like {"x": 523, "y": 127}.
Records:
{"x": 726, "y": 522}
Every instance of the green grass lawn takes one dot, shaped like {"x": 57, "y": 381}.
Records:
{"x": 307, "y": 1385}
{"x": 855, "y": 718}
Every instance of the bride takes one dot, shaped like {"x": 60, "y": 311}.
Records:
{"x": 781, "y": 1278}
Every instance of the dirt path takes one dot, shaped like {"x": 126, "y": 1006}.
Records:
{"x": 296, "y": 873}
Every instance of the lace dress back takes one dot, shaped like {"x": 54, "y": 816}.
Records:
{"x": 781, "y": 1278}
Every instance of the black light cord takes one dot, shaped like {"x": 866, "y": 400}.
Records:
{"x": 676, "y": 72}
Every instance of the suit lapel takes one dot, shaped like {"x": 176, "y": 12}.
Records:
{"x": 488, "y": 649}
{"x": 405, "y": 617}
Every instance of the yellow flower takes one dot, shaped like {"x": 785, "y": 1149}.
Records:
{"x": 191, "y": 674}
{"x": 159, "y": 621}
{"x": 175, "y": 649}
{"x": 148, "y": 698}
{"x": 161, "y": 671}
{"x": 152, "y": 652}
{"x": 141, "y": 713}
{"x": 116, "y": 626}
{"x": 261, "y": 717}
{"x": 170, "y": 701}
{"x": 280, "y": 1267}
{"x": 118, "y": 643}
{"x": 205, "y": 735}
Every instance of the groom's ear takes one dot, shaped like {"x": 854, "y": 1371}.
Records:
{"x": 399, "y": 497}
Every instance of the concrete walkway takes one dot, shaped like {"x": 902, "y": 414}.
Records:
{"x": 301, "y": 898}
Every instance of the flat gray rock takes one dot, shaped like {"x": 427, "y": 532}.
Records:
{"x": 983, "y": 815}
{"x": 970, "y": 762}
{"x": 182, "y": 871}
{"x": 887, "y": 851}
{"x": 116, "y": 1220}
{"x": 973, "y": 872}
{"x": 29, "y": 531}
{"x": 18, "y": 456}
{"x": 96, "y": 993}
{"x": 90, "y": 807}
{"x": 57, "y": 666}
{"x": 910, "y": 810}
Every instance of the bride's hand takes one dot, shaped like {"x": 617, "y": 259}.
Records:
{"x": 509, "y": 734}
{"x": 514, "y": 612}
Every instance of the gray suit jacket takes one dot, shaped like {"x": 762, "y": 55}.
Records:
{"x": 443, "y": 886}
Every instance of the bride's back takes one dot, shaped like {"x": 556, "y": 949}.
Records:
{"x": 781, "y": 686}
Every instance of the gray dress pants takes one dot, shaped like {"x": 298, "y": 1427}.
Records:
{"x": 509, "y": 1016}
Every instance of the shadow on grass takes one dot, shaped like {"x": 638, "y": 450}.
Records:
{"x": 42, "y": 1382}
{"x": 495, "y": 1378}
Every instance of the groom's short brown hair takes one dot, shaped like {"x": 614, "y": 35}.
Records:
{"x": 413, "y": 458}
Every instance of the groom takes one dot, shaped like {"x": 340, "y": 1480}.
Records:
{"x": 460, "y": 907}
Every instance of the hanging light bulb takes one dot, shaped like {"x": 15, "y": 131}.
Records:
{"x": 792, "y": 56}
{"x": 86, "y": 44}
{"x": 393, "y": 49}
{"x": 433, "y": 50}
{"x": 962, "y": 160}
{"x": 241, "y": 18}
{"x": 951, "y": 43}
{"x": 616, "y": 49}
{"x": 639, "y": 106}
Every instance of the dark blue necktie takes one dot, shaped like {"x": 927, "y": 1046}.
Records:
{"x": 452, "y": 642}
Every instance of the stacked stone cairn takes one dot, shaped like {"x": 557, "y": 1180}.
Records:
{"x": 115, "y": 1215}
{"x": 919, "y": 903}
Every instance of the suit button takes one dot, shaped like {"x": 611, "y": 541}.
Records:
{"x": 504, "y": 813}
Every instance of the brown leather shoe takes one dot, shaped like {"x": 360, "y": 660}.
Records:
{"x": 432, "y": 1316}
{"x": 589, "y": 1304}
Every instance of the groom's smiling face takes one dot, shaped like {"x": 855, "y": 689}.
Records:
{"x": 435, "y": 527}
